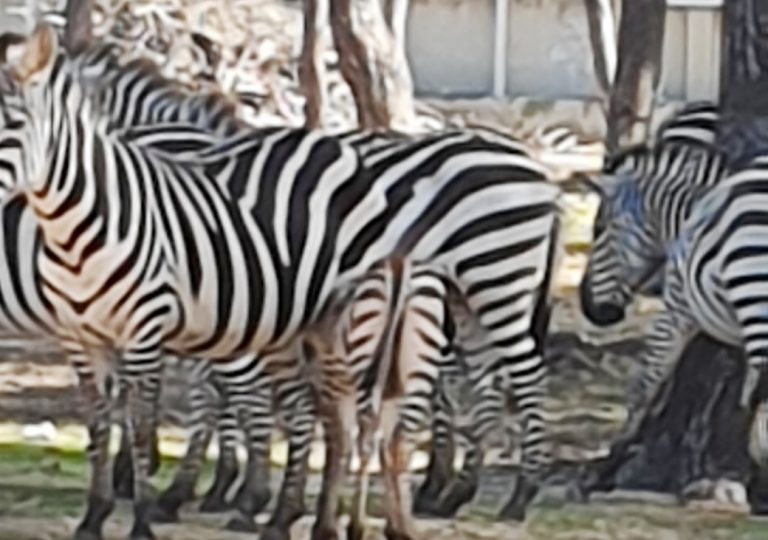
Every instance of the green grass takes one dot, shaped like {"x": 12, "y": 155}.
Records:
{"x": 43, "y": 482}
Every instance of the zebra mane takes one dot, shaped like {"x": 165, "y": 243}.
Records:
{"x": 614, "y": 161}
{"x": 100, "y": 69}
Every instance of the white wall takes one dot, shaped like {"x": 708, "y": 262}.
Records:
{"x": 450, "y": 45}
{"x": 8, "y": 22}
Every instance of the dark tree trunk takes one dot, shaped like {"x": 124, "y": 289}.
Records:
{"x": 308, "y": 72}
{"x": 372, "y": 112}
{"x": 641, "y": 33}
{"x": 695, "y": 433}
{"x": 79, "y": 30}
{"x": 744, "y": 79}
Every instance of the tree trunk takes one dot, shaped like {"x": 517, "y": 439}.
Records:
{"x": 641, "y": 33}
{"x": 744, "y": 79}
{"x": 311, "y": 62}
{"x": 694, "y": 434}
{"x": 353, "y": 59}
{"x": 78, "y": 33}
{"x": 602, "y": 37}
{"x": 384, "y": 37}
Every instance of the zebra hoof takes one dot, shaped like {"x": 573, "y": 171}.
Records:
{"x": 576, "y": 493}
{"x": 214, "y": 504}
{"x": 424, "y": 504}
{"x": 275, "y": 533}
{"x": 250, "y": 503}
{"x": 524, "y": 493}
{"x": 141, "y": 531}
{"x": 242, "y": 523}
{"x": 97, "y": 511}
{"x": 84, "y": 534}
{"x": 325, "y": 533}
{"x": 355, "y": 530}
{"x": 458, "y": 494}
{"x": 392, "y": 534}
{"x": 166, "y": 512}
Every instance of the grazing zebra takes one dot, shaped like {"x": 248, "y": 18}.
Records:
{"x": 653, "y": 191}
{"x": 710, "y": 229}
{"x": 218, "y": 250}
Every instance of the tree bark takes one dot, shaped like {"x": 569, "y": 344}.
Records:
{"x": 384, "y": 36}
{"x": 641, "y": 32}
{"x": 78, "y": 33}
{"x": 694, "y": 434}
{"x": 744, "y": 80}
{"x": 602, "y": 37}
{"x": 310, "y": 65}
{"x": 353, "y": 59}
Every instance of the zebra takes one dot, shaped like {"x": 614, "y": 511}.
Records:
{"x": 136, "y": 95}
{"x": 474, "y": 222}
{"x": 711, "y": 234}
{"x": 243, "y": 382}
{"x": 697, "y": 122}
{"x": 378, "y": 358}
{"x": 655, "y": 190}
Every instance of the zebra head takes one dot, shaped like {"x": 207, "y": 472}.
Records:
{"x": 626, "y": 257}
{"x": 26, "y": 108}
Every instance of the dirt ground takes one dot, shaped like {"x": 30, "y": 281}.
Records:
{"x": 43, "y": 470}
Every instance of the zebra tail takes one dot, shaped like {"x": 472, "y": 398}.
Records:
{"x": 388, "y": 381}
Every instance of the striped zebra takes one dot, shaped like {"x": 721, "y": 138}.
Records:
{"x": 697, "y": 122}
{"x": 242, "y": 383}
{"x": 378, "y": 357}
{"x": 443, "y": 493}
{"x": 708, "y": 224}
{"x": 683, "y": 160}
{"x": 217, "y": 250}
{"x": 136, "y": 95}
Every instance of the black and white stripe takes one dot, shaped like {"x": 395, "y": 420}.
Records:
{"x": 135, "y": 94}
{"x": 679, "y": 213}
{"x": 218, "y": 250}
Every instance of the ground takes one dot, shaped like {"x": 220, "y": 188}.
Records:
{"x": 43, "y": 470}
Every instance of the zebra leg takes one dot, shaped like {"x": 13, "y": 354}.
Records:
{"x": 122, "y": 469}
{"x": 254, "y": 412}
{"x": 485, "y": 414}
{"x": 100, "y": 495}
{"x": 325, "y": 527}
{"x": 441, "y": 456}
{"x": 143, "y": 378}
{"x": 521, "y": 373}
{"x": 122, "y": 475}
{"x": 366, "y": 443}
{"x": 402, "y": 420}
{"x": 290, "y": 501}
{"x": 670, "y": 334}
{"x": 394, "y": 458}
{"x": 200, "y": 422}
{"x": 227, "y": 469}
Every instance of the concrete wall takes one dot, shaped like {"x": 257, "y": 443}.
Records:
{"x": 450, "y": 45}
{"x": 9, "y": 22}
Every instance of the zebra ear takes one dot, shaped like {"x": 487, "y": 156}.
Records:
{"x": 588, "y": 183}
{"x": 33, "y": 59}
